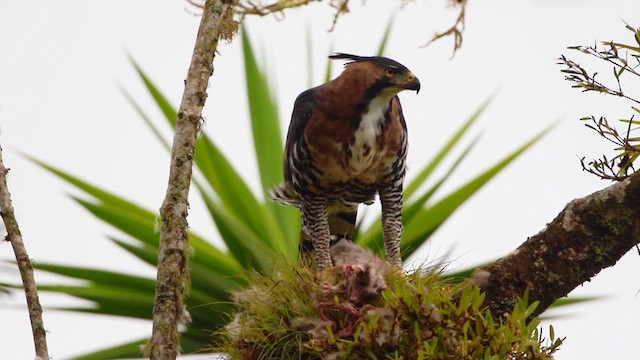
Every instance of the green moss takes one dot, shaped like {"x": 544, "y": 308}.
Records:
{"x": 295, "y": 313}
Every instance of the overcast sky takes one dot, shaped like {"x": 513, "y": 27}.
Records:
{"x": 62, "y": 64}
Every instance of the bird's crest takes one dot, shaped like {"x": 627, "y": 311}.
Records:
{"x": 353, "y": 58}
{"x": 380, "y": 60}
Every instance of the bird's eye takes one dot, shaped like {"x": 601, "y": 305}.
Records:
{"x": 390, "y": 72}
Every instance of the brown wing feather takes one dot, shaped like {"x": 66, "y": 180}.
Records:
{"x": 303, "y": 109}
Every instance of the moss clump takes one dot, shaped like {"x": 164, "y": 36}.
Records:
{"x": 346, "y": 313}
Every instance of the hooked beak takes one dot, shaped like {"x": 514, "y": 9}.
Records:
{"x": 412, "y": 83}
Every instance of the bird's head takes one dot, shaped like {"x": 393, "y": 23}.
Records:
{"x": 390, "y": 75}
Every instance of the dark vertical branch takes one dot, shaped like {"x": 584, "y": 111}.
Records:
{"x": 172, "y": 279}
{"x": 24, "y": 264}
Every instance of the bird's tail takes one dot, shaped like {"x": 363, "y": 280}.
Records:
{"x": 342, "y": 221}
{"x": 285, "y": 195}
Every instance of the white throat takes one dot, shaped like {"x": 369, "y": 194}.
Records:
{"x": 369, "y": 128}
{"x": 364, "y": 151}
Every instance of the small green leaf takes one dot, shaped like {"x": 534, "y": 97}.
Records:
{"x": 164, "y": 105}
{"x": 385, "y": 37}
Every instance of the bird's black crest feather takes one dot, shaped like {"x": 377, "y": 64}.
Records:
{"x": 382, "y": 61}
{"x": 349, "y": 57}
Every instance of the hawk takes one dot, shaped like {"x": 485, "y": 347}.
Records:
{"x": 347, "y": 142}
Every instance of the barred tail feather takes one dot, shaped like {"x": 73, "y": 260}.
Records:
{"x": 285, "y": 195}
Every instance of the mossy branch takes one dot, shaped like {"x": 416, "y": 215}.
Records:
{"x": 14, "y": 236}
{"x": 590, "y": 234}
{"x": 172, "y": 278}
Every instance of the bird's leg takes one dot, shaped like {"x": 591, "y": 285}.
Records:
{"x": 315, "y": 225}
{"x": 391, "y": 199}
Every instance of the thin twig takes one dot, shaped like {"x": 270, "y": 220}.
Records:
{"x": 342, "y": 7}
{"x": 252, "y": 7}
{"x": 172, "y": 280}
{"x": 24, "y": 264}
{"x": 455, "y": 30}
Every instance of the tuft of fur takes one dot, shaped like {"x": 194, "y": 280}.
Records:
{"x": 364, "y": 274}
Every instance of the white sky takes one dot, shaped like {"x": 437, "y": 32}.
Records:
{"x": 61, "y": 64}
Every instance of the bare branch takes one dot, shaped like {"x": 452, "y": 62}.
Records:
{"x": 341, "y": 8}
{"x": 253, "y": 7}
{"x": 24, "y": 265}
{"x": 456, "y": 29}
{"x": 172, "y": 279}
{"x": 277, "y": 8}
{"x": 590, "y": 234}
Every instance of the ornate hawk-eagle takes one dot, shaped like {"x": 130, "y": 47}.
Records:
{"x": 347, "y": 142}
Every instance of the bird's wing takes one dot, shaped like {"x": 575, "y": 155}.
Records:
{"x": 303, "y": 108}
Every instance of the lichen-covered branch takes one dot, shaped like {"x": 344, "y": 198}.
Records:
{"x": 590, "y": 234}
{"x": 24, "y": 265}
{"x": 172, "y": 279}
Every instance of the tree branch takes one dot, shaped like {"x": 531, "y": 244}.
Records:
{"x": 172, "y": 278}
{"x": 456, "y": 29}
{"x": 24, "y": 265}
{"x": 590, "y": 234}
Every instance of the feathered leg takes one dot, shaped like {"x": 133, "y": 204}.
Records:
{"x": 315, "y": 226}
{"x": 391, "y": 199}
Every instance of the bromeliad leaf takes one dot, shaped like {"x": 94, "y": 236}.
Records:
{"x": 250, "y": 249}
{"x": 267, "y": 139}
{"x": 274, "y": 222}
{"x": 169, "y": 111}
{"x": 429, "y": 219}
{"x": 424, "y": 174}
{"x": 373, "y": 236}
